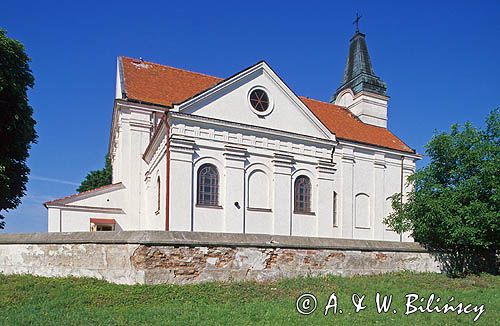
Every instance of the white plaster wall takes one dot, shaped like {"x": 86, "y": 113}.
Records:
{"x": 79, "y": 221}
{"x": 54, "y": 219}
{"x": 368, "y": 175}
{"x": 392, "y": 186}
{"x": 408, "y": 169}
{"x": 364, "y": 196}
{"x": 231, "y": 104}
{"x": 369, "y": 108}
{"x": 209, "y": 219}
{"x": 155, "y": 219}
{"x": 111, "y": 199}
{"x": 258, "y": 189}
{"x": 181, "y": 183}
{"x": 306, "y": 224}
{"x": 336, "y": 228}
{"x": 71, "y": 220}
{"x": 76, "y": 213}
{"x": 373, "y": 174}
{"x": 234, "y": 172}
{"x": 133, "y": 127}
{"x": 234, "y": 168}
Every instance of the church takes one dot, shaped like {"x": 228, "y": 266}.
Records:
{"x": 245, "y": 154}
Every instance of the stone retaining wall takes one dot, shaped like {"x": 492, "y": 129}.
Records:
{"x": 152, "y": 257}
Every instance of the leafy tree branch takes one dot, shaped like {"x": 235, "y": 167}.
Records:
{"x": 454, "y": 208}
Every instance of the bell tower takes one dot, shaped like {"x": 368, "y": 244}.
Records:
{"x": 361, "y": 91}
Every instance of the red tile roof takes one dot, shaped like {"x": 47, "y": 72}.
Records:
{"x": 80, "y": 194}
{"x": 346, "y": 125}
{"x": 158, "y": 84}
{"x": 154, "y": 83}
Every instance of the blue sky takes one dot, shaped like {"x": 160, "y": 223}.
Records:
{"x": 440, "y": 60}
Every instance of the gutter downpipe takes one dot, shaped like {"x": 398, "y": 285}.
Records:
{"x": 401, "y": 191}
{"x": 167, "y": 179}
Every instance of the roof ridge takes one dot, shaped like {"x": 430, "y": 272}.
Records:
{"x": 340, "y": 107}
{"x": 357, "y": 118}
{"x": 320, "y": 101}
{"x": 171, "y": 67}
{"x": 81, "y": 193}
{"x": 206, "y": 75}
{"x": 352, "y": 115}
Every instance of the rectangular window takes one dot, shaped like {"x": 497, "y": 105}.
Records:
{"x": 104, "y": 227}
{"x": 101, "y": 227}
{"x": 334, "y": 208}
{"x": 102, "y": 224}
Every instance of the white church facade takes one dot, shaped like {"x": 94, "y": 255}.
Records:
{"x": 245, "y": 154}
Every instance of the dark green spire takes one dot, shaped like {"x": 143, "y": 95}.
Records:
{"x": 359, "y": 75}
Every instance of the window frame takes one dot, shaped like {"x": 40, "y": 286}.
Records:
{"x": 97, "y": 227}
{"x": 158, "y": 195}
{"x": 307, "y": 200}
{"x": 101, "y": 226}
{"x": 335, "y": 209}
{"x": 270, "y": 99}
{"x": 201, "y": 186}
{"x": 263, "y": 102}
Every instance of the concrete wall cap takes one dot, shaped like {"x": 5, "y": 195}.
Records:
{"x": 203, "y": 239}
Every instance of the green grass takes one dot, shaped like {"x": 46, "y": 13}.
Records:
{"x": 70, "y": 301}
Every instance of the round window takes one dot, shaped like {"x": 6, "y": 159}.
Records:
{"x": 259, "y": 100}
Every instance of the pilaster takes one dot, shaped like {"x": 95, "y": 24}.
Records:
{"x": 408, "y": 169}
{"x": 234, "y": 210}
{"x": 181, "y": 182}
{"x": 346, "y": 220}
{"x": 282, "y": 203}
{"x": 325, "y": 171}
{"x": 379, "y": 167}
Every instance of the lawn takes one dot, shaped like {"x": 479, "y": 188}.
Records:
{"x": 70, "y": 301}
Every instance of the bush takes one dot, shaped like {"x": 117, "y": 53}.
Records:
{"x": 454, "y": 207}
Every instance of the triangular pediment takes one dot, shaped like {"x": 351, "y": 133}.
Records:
{"x": 229, "y": 100}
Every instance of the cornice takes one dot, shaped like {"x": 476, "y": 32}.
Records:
{"x": 342, "y": 142}
{"x": 110, "y": 210}
{"x": 284, "y": 134}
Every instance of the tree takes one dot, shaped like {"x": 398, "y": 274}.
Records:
{"x": 454, "y": 208}
{"x": 97, "y": 178}
{"x": 17, "y": 127}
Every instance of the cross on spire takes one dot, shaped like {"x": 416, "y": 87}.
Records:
{"x": 356, "y": 21}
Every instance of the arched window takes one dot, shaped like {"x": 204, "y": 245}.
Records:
{"x": 158, "y": 194}
{"x": 334, "y": 208}
{"x": 208, "y": 185}
{"x": 302, "y": 190}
